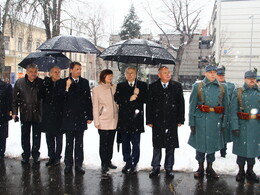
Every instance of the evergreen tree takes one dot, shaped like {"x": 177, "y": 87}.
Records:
{"x": 131, "y": 26}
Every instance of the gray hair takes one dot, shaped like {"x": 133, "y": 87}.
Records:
{"x": 31, "y": 66}
{"x": 54, "y": 67}
{"x": 130, "y": 67}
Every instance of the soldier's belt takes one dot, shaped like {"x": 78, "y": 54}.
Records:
{"x": 247, "y": 116}
{"x": 216, "y": 109}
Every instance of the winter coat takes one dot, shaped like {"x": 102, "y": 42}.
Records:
{"x": 26, "y": 96}
{"x": 208, "y": 137}
{"x": 77, "y": 106}
{"x": 105, "y": 110}
{"x": 53, "y": 99}
{"x": 131, "y": 113}
{"x": 248, "y": 143}
{"x": 5, "y": 106}
{"x": 165, "y": 110}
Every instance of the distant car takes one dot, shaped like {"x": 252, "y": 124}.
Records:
{"x": 92, "y": 84}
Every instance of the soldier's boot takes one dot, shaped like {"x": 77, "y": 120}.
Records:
{"x": 250, "y": 174}
{"x": 210, "y": 171}
{"x": 241, "y": 173}
{"x": 200, "y": 172}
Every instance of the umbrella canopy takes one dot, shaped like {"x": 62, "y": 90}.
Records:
{"x": 69, "y": 44}
{"x": 138, "y": 51}
{"x": 46, "y": 60}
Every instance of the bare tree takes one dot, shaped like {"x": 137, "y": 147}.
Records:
{"x": 183, "y": 21}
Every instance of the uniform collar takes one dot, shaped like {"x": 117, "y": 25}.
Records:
{"x": 246, "y": 87}
{"x": 206, "y": 81}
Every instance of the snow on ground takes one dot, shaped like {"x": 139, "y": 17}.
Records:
{"x": 184, "y": 156}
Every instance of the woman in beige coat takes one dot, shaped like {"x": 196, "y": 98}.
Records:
{"x": 105, "y": 113}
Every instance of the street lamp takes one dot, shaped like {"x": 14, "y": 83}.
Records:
{"x": 252, "y": 26}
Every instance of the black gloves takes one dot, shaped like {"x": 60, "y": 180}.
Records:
{"x": 236, "y": 132}
{"x": 193, "y": 130}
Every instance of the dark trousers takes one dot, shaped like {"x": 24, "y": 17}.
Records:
{"x": 54, "y": 144}
{"x": 169, "y": 158}
{"x": 78, "y": 149}
{"x": 242, "y": 161}
{"x": 200, "y": 157}
{"x": 36, "y": 139}
{"x": 3, "y": 136}
{"x": 106, "y": 144}
{"x": 131, "y": 155}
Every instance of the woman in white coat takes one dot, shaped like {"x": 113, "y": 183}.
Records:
{"x": 105, "y": 113}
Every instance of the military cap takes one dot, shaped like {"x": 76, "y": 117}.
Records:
{"x": 211, "y": 67}
{"x": 221, "y": 70}
{"x": 251, "y": 74}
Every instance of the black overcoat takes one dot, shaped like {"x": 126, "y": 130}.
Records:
{"x": 131, "y": 113}
{"x": 5, "y": 107}
{"x": 165, "y": 110}
{"x": 77, "y": 106}
{"x": 26, "y": 96}
{"x": 53, "y": 102}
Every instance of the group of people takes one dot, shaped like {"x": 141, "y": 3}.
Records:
{"x": 218, "y": 113}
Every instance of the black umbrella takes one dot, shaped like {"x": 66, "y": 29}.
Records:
{"x": 138, "y": 51}
{"x": 46, "y": 60}
{"x": 69, "y": 43}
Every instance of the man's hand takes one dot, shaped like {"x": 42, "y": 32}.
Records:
{"x": 236, "y": 132}
{"x": 136, "y": 91}
{"x": 89, "y": 121}
{"x": 14, "y": 116}
{"x": 150, "y": 125}
{"x": 193, "y": 129}
{"x": 68, "y": 83}
{"x": 179, "y": 124}
{"x": 97, "y": 126}
{"x": 133, "y": 97}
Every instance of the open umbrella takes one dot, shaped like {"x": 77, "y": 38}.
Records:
{"x": 46, "y": 60}
{"x": 69, "y": 43}
{"x": 138, "y": 51}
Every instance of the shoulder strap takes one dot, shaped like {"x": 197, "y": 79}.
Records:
{"x": 239, "y": 98}
{"x": 200, "y": 95}
{"x": 222, "y": 91}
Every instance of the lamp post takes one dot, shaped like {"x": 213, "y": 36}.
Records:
{"x": 251, "y": 43}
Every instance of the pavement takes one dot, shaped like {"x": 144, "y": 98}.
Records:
{"x": 31, "y": 179}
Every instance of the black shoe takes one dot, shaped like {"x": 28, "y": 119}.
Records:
{"x": 25, "y": 161}
{"x": 2, "y": 157}
{"x": 154, "y": 173}
{"x": 36, "y": 160}
{"x": 169, "y": 174}
{"x": 250, "y": 175}
{"x": 50, "y": 162}
{"x": 104, "y": 168}
{"x": 241, "y": 176}
{"x": 79, "y": 170}
{"x": 125, "y": 169}
{"x": 133, "y": 170}
{"x": 111, "y": 166}
{"x": 56, "y": 162}
{"x": 68, "y": 169}
{"x": 211, "y": 173}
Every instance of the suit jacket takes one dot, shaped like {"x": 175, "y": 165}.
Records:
{"x": 131, "y": 113}
{"x": 77, "y": 106}
{"x": 165, "y": 110}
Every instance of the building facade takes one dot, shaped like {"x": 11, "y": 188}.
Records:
{"x": 235, "y": 31}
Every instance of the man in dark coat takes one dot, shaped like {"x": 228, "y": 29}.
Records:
{"x": 26, "y": 97}
{"x": 53, "y": 90}
{"x": 77, "y": 114}
{"x": 164, "y": 113}
{"x": 5, "y": 111}
{"x": 131, "y": 96}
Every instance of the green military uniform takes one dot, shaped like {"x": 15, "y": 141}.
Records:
{"x": 245, "y": 125}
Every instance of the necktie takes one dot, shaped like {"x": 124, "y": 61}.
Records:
{"x": 76, "y": 81}
{"x": 131, "y": 84}
{"x": 164, "y": 86}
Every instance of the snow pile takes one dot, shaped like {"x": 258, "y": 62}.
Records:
{"x": 184, "y": 156}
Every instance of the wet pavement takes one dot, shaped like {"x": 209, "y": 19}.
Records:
{"x": 16, "y": 178}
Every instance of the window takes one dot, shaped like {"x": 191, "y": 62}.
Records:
{"x": 20, "y": 69}
{"x": 20, "y": 45}
{"x": 29, "y": 46}
{"x": 7, "y": 42}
